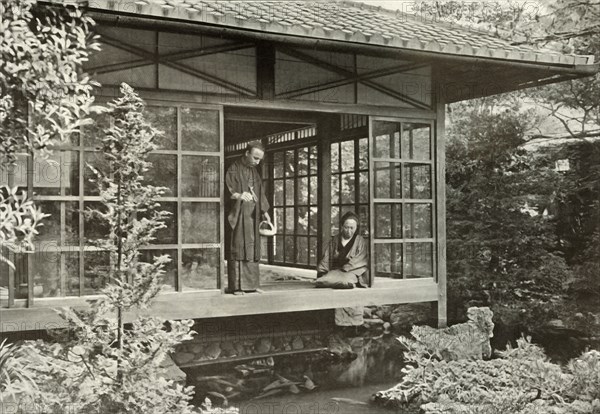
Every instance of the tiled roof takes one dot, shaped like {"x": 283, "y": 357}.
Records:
{"x": 343, "y": 21}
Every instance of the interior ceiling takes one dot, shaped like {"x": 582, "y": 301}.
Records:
{"x": 242, "y": 131}
{"x": 246, "y": 124}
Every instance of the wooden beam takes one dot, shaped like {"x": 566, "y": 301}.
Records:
{"x": 212, "y": 304}
{"x": 327, "y": 127}
{"x": 179, "y": 66}
{"x": 355, "y": 78}
{"x": 230, "y": 101}
{"x": 265, "y": 71}
{"x": 440, "y": 191}
{"x": 178, "y": 26}
{"x": 348, "y": 74}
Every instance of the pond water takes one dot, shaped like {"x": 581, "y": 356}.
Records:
{"x": 354, "y": 400}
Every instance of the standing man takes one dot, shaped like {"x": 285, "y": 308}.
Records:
{"x": 247, "y": 202}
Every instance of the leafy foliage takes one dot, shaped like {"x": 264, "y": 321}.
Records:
{"x": 501, "y": 252}
{"x": 44, "y": 97}
{"x": 15, "y": 373}
{"x": 102, "y": 366}
{"x": 19, "y": 219}
{"x": 520, "y": 381}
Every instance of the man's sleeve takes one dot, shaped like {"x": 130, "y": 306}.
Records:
{"x": 230, "y": 181}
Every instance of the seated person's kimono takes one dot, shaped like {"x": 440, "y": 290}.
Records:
{"x": 343, "y": 267}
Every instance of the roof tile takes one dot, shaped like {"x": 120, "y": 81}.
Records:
{"x": 346, "y": 21}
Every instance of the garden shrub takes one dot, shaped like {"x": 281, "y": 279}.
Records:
{"x": 519, "y": 380}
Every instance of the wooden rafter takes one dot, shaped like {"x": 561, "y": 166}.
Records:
{"x": 171, "y": 57}
{"x": 355, "y": 78}
{"x": 349, "y": 75}
{"x": 151, "y": 58}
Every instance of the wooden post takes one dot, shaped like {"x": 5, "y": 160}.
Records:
{"x": 440, "y": 174}
{"x": 265, "y": 71}
{"x": 327, "y": 125}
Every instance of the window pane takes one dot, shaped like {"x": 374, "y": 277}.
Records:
{"x": 335, "y": 189}
{"x": 71, "y": 273}
{"x": 94, "y": 226}
{"x": 387, "y": 180}
{"x": 278, "y": 249}
{"x": 289, "y": 163}
{"x": 417, "y": 221}
{"x": 200, "y": 222}
{"x": 279, "y": 220}
{"x": 96, "y": 160}
{"x": 348, "y": 190}
{"x": 163, "y": 173}
{"x": 170, "y": 275}
{"x": 363, "y": 189}
{"x": 313, "y": 190}
{"x": 416, "y": 141}
{"x": 313, "y": 159}
{"x": 199, "y": 130}
{"x": 363, "y": 153}
{"x": 278, "y": 164}
{"x": 200, "y": 268}
{"x": 289, "y": 249}
{"x": 168, "y": 235}
{"x": 388, "y": 221}
{"x": 57, "y": 175}
{"x": 20, "y": 171}
{"x": 347, "y": 152}
{"x": 200, "y": 176}
{"x": 96, "y": 266}
{"x": 419, "y": 260}
{"x": 94, "y": 133}
{"x": 303, "y": 161}
{"x": 335, "y": 220}
{"x": 417, "y": 181}
{"x": 302, "y": 256}
{"x": 45, "y": 267}
{"x": 388, "y": 260}
{"x": 164, "y": 118}
{"x": 363, "y": 214}
{"x": 387, "y": 139}
{"x": 313, "y": 220}
{"x": 312, "y": 249}
{"x": 289, "y": 192}
{"x": 302, "y": 220}
{"x": 335, "y": 157}
{"x": 289, "y": 220}
{"x": 302, "y": 190}
{"x": 278, "y": 192}
{"x": 65, "y": 214}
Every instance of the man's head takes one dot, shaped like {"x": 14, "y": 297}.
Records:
{"x": 349, "y": 225}
{"x": 254, "y": 154}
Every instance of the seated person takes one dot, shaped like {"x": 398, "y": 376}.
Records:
{"x": 345, "y": 261}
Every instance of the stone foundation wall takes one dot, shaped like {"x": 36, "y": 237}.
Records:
{"x": 249, "y": 355}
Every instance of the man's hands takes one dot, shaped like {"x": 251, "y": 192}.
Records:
{"x": 267, "y": 217}
{"x": 246, "y": 196}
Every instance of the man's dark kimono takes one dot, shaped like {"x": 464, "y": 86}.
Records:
{"x": 243, "y": 239}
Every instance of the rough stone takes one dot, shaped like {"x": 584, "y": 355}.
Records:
{"x": 263, "y": 345}
{"x": 171, "y": 371}
{"x": 212, "y": 350}
{"x": 297, "y": 343}
{"x": 239, "y": 349}
{"x": 183, "y": 357}
{"x": 405, "y": 316}
{"x": 227, "y": 349}
{"x": 196, "y": 348}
